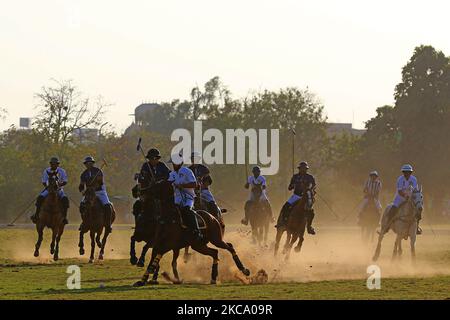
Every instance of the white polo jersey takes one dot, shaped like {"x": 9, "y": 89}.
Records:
{"x": 185, "y": 196}
{"x": 261, "y": 181}
{"x": 405, "y": 185}
{"x": 60, "y": 173}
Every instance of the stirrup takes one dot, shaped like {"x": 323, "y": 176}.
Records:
{"x": 419, "y": 231}
{"x": 311, "y": 230}
{"x": 244, "y": 222}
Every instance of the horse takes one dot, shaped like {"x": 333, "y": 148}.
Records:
{"x": 295, "y": 227}
{"x": 369, "y": 220}
{"x": 201, "y": 204}
{"x": 404, "y": 224}
{"x": 94, "y": 221}
{"x": 51, "y": 217}
{"x": 259, "y": 215}
{"x": 146, "y": 223}
{"x": 172, "y": 235}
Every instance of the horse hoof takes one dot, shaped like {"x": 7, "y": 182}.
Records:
{"x": 55, "y": 258}
{"x": 36, "y": 253}
{"x": 246, "y": 272}
{"x": 153, "y": 282}
{"x": 81, "y": 252}
{"x": 133, "y": 260}
{"x": 297, "y": 249}
{"x": 140, "y": 263}
{"x": 100, "y": 257}
{"x": 139, "y": 283}
{"x": 91, "y": 260}
{"x": 52, "y": 251}
{"x": 213, "y": 282}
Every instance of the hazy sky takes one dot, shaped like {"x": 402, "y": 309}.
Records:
{"x": 349, "y": 53}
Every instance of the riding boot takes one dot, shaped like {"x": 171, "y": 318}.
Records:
{"x": 65, "y": 203}
{"x": 284, "y": 214}
{"x": 193, "y": 223}
{"x": 246, "y": 210}
{"x": 309, "y": 219}
{"x": 35, "y": 217}
{"x": 108, "y": 218}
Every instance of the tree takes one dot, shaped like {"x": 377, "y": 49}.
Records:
{"x": 63, "y": 109}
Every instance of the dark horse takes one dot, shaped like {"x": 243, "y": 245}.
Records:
{"x": 94, "y": 221}
{"x": 369, "y": 221}
{"x": 145, "y": 230}
{"x": 259, "y": 215}
{"x": 295, "y": 226}
{"x": 171, "y": 235}
{"x": 51, "y": 217}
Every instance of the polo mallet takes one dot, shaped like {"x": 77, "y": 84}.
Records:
{"x": 139, "y": 148}
{"x": 293, "y": 149}
{"x": 104, "y": 164}
{"x": 11, "y": 224}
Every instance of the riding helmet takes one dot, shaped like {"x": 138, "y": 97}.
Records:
{"x": 303, "y": 164}
{"x": 89, "y": 159}
{"x": 407, "y": 168}
{"x": 54, "y": 160}
{"x": 153, "y": 154}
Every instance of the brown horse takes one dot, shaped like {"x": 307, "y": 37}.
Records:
{"x": 171, "y": 235}
{"x": 51, "y": 216}
{"x": 145, "y": 230}
{"x": 94, "y": 221}
{"x": 369, "y": 221}
{"x": 259, "y": 215}
{"x": 295, "y": 227}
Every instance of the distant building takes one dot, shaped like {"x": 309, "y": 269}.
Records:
{"x": 85, "y": 135}
{"x": 334, "y": 129}
{"x": 25, "y": 123}
{"x": 141, "y": 111}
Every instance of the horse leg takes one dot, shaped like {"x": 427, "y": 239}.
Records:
{"x": 288, "y": 240}
{"x": 213, "y": 253}
{"x": 97, "y": 240}
{"x": 58, "y": 238}
{"x": 52, "y": 244}
{"x": 396, "y": 245}
{"x": 266, "y": 233}
{"x": 187, "y": 255}
{"x": 133, "y": 258}
{"x": 277, "y": 241}
{"x": 155, "y": 276}
{"x": 299, "y": 244}
{"x": 91, "y": 258}
{"x": 40, "y": 231}
{"x": 152, "y": 266}
{"x": 228, "y": 246}
{"x": 176, "y": 253}
{"x": 378, "y": 249}
{"x": 81, "y": 243}
{"x": 254, "y": 235}
{"x": 141, "y": 261}
{"x": 294, "y": 238}
{"x": 412, "y": 242}
{"x": 103, "y": 244}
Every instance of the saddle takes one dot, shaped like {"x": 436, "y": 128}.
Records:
{"x": 200, "y": 220}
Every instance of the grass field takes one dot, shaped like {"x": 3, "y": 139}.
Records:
{"x": 329, "y": 267}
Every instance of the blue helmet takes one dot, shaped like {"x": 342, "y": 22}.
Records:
{"x": 407, "y": 168}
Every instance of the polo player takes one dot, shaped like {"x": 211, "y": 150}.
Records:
{"x": 300, "y": 182}
{"x": 93, "y": 177}
{"x": 62, "y": 181}
{"x": 153, "y": 170}
{"x": 405, "y": 184}
{"x": 184, "y": 183}
{"x": 204, "y": 181}
{"x": 257, "y": 193}
{"x": 372, "y": 189}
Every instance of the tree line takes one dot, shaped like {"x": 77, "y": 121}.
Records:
{"x": 416, "y": 130}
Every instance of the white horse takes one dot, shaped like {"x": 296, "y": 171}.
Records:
{"x": 404, "y": 224}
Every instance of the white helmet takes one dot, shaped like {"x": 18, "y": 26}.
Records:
{"x": 176, "y": 158}
{"x": 373, "y": 173}
{"x": 407, "y": 168}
